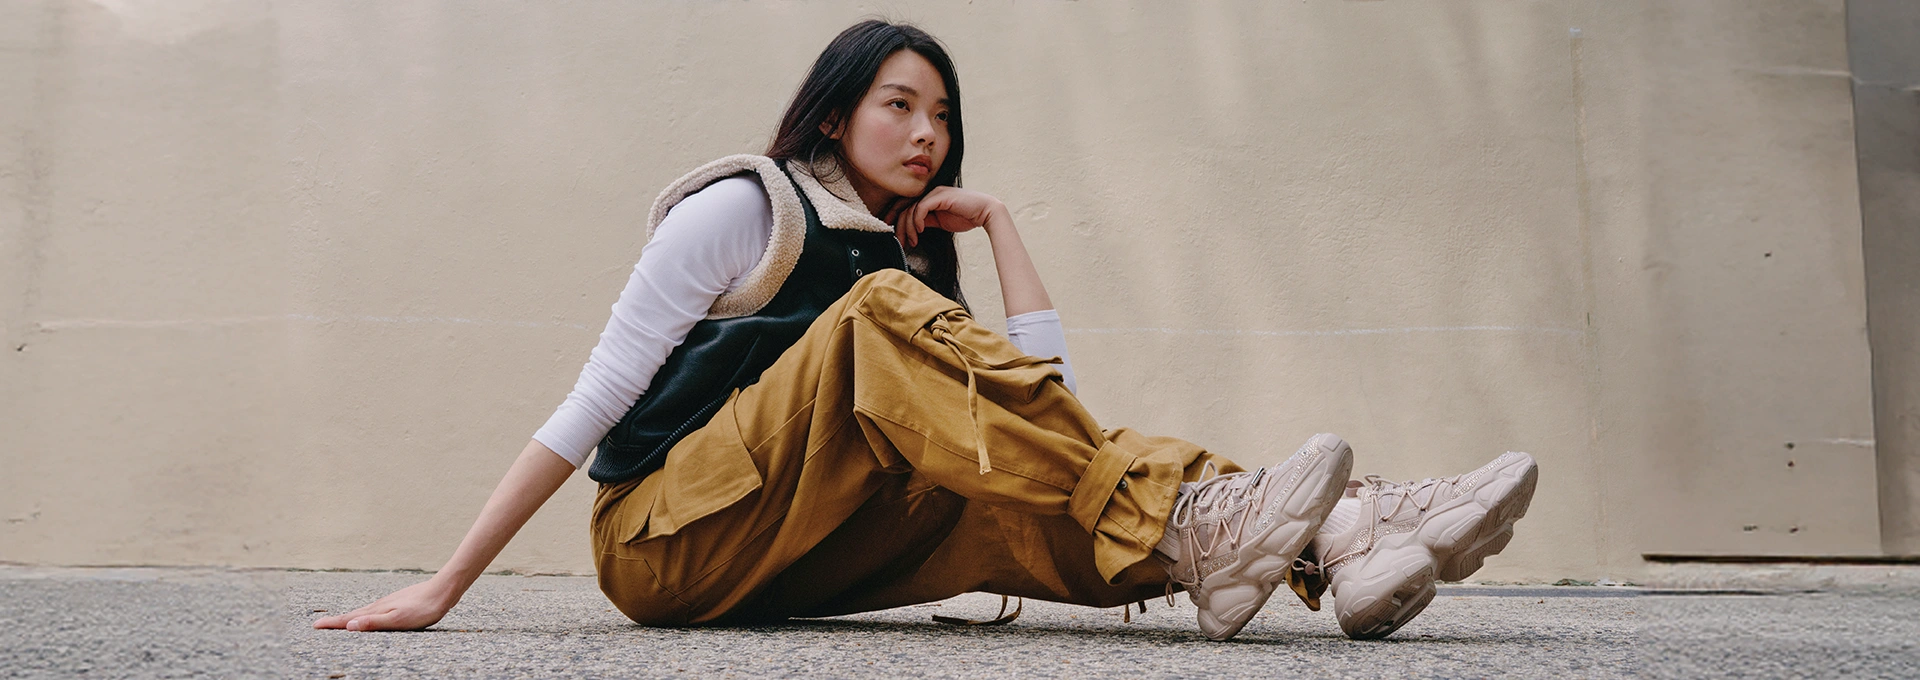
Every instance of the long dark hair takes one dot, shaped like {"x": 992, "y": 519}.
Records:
{"x": 839, "y": 78}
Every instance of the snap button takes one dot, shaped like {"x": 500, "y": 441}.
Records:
{"x": 1122, "y": 486}
{"x": 855, "y": 252}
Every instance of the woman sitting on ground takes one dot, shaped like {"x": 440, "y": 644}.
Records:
{"x": 796, "y": 415}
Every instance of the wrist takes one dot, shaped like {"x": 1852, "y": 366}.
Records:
{"x": 999, "y": 219}
{"x": 448, "y": 587}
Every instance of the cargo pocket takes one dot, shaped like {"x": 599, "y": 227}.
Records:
{"x": 991, "y": 363}
{"x": 705, "y": 473}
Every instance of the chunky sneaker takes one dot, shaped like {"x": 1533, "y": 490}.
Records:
{"x": 1232, "y": 537}
{"x": 1387, "y": 542}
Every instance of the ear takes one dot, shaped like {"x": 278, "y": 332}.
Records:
{"x": 831, "y": 127}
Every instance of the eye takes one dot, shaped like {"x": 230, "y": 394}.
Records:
{"x": 942, "y": 116}
{"x": 898, "y": 104}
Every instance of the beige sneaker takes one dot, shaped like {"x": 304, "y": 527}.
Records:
{"x": 1231, "y": 538}
{"x": 1386, "y": 544}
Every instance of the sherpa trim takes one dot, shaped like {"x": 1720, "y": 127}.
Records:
{"x": 835, "y": 200}
{"x": 784, "y": 244}
{"x": 789, "y": 234}
{"x": 847, "y": 213}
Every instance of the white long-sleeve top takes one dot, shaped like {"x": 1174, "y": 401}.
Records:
{"x": 703, "y": 248}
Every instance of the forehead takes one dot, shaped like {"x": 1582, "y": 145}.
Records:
{"x": 907, "y": 68}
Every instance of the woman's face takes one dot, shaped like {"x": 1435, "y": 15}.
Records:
{"x": 897, "y": 136}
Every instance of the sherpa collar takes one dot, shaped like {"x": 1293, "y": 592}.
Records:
{"x": 834, "y": 200}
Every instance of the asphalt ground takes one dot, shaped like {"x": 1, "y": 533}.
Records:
{"x": 113, "y": 623}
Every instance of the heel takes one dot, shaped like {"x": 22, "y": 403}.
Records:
{"x": 1378, "y": 616}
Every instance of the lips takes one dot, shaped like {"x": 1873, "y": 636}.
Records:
{"x": 920, "y": 165}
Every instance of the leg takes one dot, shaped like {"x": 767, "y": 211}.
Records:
{"x": 1239, "y": 532}
{"x": 959, "y": 547}
{"x": 892, "y": 384}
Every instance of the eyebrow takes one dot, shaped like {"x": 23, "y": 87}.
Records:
{"x": 908, "y": 90}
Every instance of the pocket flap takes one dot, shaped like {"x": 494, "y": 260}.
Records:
{"x": 704, "y": 473}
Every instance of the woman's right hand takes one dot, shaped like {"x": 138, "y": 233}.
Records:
{"x": 535, "y": 475}
{"x": 411, "y": 608}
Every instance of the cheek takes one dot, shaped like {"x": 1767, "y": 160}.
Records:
{"x": 868, "y": 136}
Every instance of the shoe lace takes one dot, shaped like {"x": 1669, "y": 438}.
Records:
{"x": 1211, "y": 492}
{"x": 1404, "y": 492}
{"x": 1378, "y": 490}
{"x": 1307, "y": 579}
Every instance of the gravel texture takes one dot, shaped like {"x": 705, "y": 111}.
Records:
{"x": 201, "y": 623}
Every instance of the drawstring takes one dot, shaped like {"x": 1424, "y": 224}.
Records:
{"x": 968, "y": 361}
{"x": 1308, "y": 578}
{"x": 1000, "y": 619}
{"x": 1126, "y": 610}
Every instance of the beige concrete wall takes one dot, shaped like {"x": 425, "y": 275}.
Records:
{"x": 288, "y": 284}
{"x": 1886, "y": 94}
{"x": 1731, "y": 353}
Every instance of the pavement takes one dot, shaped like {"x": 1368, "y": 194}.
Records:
{"x": 125, "y": 622}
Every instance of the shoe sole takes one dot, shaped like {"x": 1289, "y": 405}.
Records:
{"x": 1261, "y": 565}
{"x": 1505, "y": 501}
{"x": 1470, "y": 529}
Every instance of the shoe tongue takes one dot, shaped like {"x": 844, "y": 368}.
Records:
{"x": 1200, "y": 520}
{"x": 1342, "y": 517}
{"x": 1336, "y": 531}
{"x": 1206, "y": 533}
{"x": 1220, "y": 491}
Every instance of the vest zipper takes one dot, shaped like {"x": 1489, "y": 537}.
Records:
{"x": 699, "y": 416}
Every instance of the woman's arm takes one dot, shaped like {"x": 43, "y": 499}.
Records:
{"x": 528, "y": 484}
{"x": 957, "y": 210}
{"x": 707, "y": 241}
{"x": 1032, "y": 324}
{"x": 1020, "y": 285}
{"x": 1040, "y": 334}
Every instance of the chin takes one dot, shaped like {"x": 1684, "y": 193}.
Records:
{"x": 906, "y": 191}
{"x": 912, "y": 188}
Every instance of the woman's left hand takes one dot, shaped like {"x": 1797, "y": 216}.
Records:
{"x": 948, "y": 208}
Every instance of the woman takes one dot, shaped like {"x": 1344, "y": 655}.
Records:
{"x": 795, "y": 415}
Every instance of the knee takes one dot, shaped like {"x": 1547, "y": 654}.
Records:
{"x": 636, "y": 593}
{"x": 893, "y": 295}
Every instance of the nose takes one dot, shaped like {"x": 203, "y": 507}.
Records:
{"x": 923, "y": 130}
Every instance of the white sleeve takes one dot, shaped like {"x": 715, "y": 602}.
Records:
{"x": 1040, "y": 334}
{"x": 706, "y": 243}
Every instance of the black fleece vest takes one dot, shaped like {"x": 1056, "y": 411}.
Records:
{"x": 723, "y": 355}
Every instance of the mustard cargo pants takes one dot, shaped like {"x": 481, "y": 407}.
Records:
{"x": 899, "y": 453}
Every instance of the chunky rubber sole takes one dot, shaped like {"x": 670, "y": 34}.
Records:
{"x": 1395, "y": 581}
{"x": 1236, "y": 592}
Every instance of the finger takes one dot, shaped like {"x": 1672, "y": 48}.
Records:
{"x": 899, "y": 219}
{"x": 906, "y": 227}
{"x": 920, "y": 219}
{"x": 340, "y": 620}
{"x": 387, "y": 620}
